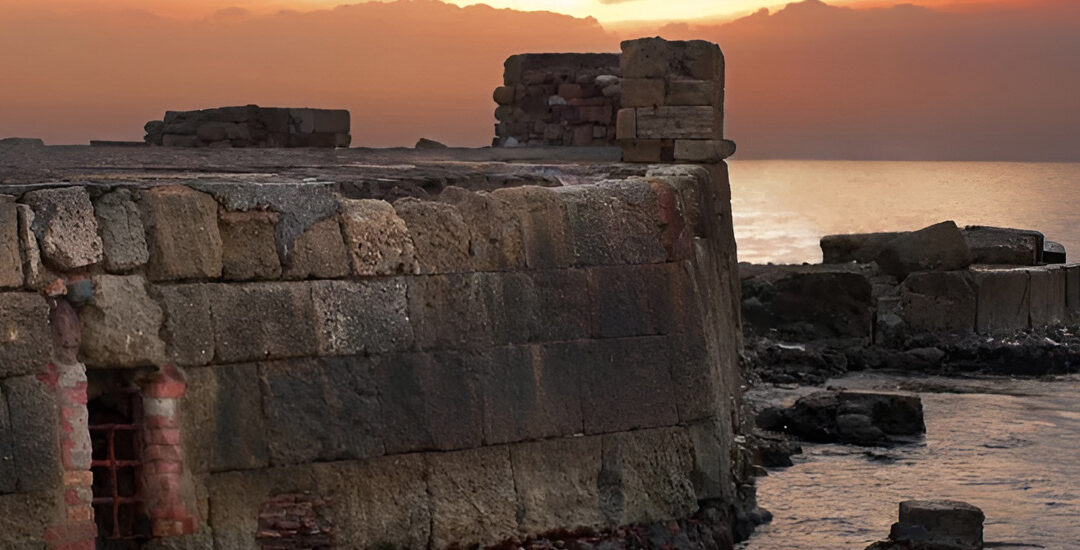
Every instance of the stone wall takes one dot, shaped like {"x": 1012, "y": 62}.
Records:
{"x": 251, "y": 126}
{"x": 466, "y": 370}
{"x": 557, "y": 99}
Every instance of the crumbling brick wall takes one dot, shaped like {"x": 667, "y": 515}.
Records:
{"x": 251, "y": 126}
{"x": 557, "y": 99}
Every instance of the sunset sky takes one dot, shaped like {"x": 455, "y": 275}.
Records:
{"x": 859, "y": 79}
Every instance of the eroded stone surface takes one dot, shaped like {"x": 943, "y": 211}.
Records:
{"x": 377, "y": 239}
{"x": 120, "y": 325}
{"x": 65, "y": 227}
{"x": 182, "y": 231}
{"x": 122, "y": 233}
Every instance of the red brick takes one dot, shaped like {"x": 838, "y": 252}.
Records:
{"x": 162, "y": 452}
{"x": 163, "y": 436}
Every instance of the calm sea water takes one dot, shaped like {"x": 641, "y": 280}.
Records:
{"x": 1010, "y": 447}
{"x": 782, "y": 208}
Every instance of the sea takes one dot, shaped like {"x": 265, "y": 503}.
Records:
{"x": 1009, "y": 446}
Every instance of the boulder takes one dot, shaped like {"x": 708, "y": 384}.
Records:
{"x": 859, "y": 418}
{"x": 808, "y": 302}
{"x": 938, "y": 525}
{"x": 856, "y": 247}
{"x": 1003, "y": 246}
{"x": 940, "y": 247}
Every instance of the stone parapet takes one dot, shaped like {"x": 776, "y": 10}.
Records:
{"x": 251, "y": 126}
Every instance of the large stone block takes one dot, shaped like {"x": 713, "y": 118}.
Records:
{"x": 182, "y": 231}
{"x": 11, "y": 265}
{"x": 703, "y": 150}
{"x": 659, "y": 58}
{"x": 614, "y": 223}
{"x": 248, "y": 246}
{"x": 626, "y": 384}
{"x": 24, "y": 518}
{"x": 377, "y": 239}
{"x": 65, "y": 227}
{"x": 321, "y": 410}
{"x": 692, "y": 92}
{"x": 263, "y": 321}
{"x": 454, "y": 311}
{"x": 370, "y": 316}
{"x": 122, "y": 233}
{"x": 439, "y": 234}
{"x": 525, "y": 396}
{"x": 626, "y": 124}
{"x": 642, "y": 92}
{"x": 939, "y": 525}
{"x": 683, "y": 122}
{"x": 1072, "y": 288}
{"x": 237, "y": 497}
{"x": 635, "y": 300}
{"x": 542, "y": 216}
{"x": 1003, "y": 302}
{"x": 378, "y": 503}
{"x": 34, "y": 271}
{"x": 647, "y": 150}
{"x": 239, "y": 430}
{"x": 121, "y": 325}
{"x": 544, "y": 306}
{"x": 430, "y": 401}
{"x": 809, "y": 302}
{"x": 318, "y": 253}
{"x": 495, "y": 229}
{"x": 713, "y": 472}
{"x": 557, "y": 484}
{"x": 1047, "y": 287}
{"x": 856, "y": 247}
{"x": 25, "y": 336}
{"x": 646, "y": 476}
{"x": 1003, "y": 246}
{"x": 35, "y": 435}
{"x": 188, "y": 329}
{"x": 472, "y": 498}
{"x": 940, "y": 247}
{"x": 935, "y": 302}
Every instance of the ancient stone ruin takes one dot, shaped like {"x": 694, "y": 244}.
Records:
{"x": 251, "y": 126}
{"x": 246, "y": 349}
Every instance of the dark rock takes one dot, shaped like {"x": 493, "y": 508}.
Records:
{"x": 940, "y": 247}
{"x": 857, "y": 247}
{"x": 425, "y": 143}
{"x": 859, "y": 418}
{"x": 809, "y": 302}
{"x": 13, "y": 142}
{"x": 938, "y": 301}
{"x": 939, "y": 525}
{"x": 1003, "y": 246}
{"x": 1053, "y": 253}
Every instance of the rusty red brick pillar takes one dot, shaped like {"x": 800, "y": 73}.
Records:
{"x": 67, "y": 378}
{"x": 163, "y": 455}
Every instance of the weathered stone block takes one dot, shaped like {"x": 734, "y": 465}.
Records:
{"x": 703, "y": 150}
{"x": 377, "y": 239}
{"x": 472, "y": 498}
{"x": 809, "y": 302}
{"x": 439, "y": 234}
{"x": 504, "y": 95}
{"x": 430, "y": 401}
{"x": 614, "y": 223}
{"x": 453, "y": 311}
{"x": 378, "y": 503}
{"x": 65, "y": 227}
{"x": 34, "y": 271}
{"x": 188, "y": 329}
{"x": 642, "y": 92}
{"x": 1047, "y": 288}
{"x": 319, "y": 253}
{"x": 120, "y": 325}
{"x": 182, "y": 231}
{"x": 368, "y": 317}
{"x": 940, "y": 247}
{"x": 248, "y": 247}
{"x": 939, "y": 525}
{"x": 544, "y": 306}
{"x": 1004, "y": 300}
{"x": 240, "y": 438}
{"x": 122, "y": 234}
{"x": 659, "y": 58}
{"x": 543, "y": 225}
{"x": 527, "y": 397}
{"x": 712, "y": 440}
{"x": 263, "y": 321}
{"x": 1072, "y": 288}
{"x": 321, "y": 410}
{"x": 1003, "y": 246}
{"x": 691, "y": 92}
{"x": 677, "y": 123}
{"x": 556, "y": 483}
{"x": 935, "y": 302}
{"x": 646, "y": 150}
{"x": 11, "y": 265}
{"x": 626, "y": 384}
{"x": 34, "y": 432}
{"x": 626, "y": 125}
{"x": 857, "y": 247}
{"x": 646, "y": 476}
{"x": 236, "y": 498}
{"x": 25, "y": 517}
{"x": 495, "y": 229}
{"x": 634, "y": 301}
{"x": 25, "y": 336}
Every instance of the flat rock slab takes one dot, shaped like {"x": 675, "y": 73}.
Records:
{"x": 940, "y": 247}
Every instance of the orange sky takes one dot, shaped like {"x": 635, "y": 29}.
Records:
{"x": 811, "y": 80}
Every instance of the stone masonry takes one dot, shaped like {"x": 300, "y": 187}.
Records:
{"x": 251, "y": 126}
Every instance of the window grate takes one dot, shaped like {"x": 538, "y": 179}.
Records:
{"x": 116, "y": 465}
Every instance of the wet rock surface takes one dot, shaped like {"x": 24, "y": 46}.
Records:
{"x": 935, "y": 525}
{"x": 859, "y": 418}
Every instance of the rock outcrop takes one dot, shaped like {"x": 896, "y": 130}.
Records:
{"x": 859, "y": 418}
{"x": 935, "y": 525}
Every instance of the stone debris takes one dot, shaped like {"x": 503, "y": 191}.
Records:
{"x": 859, "y": 418}
{"x": 935, "y": 525}
{"x": 251, "y": 126}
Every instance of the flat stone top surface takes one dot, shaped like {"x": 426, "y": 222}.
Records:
{"x": 361, "y": 172}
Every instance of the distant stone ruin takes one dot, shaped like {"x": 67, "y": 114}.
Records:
{"x": 251, "y": 126}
